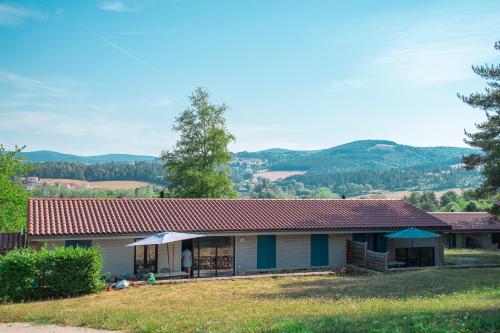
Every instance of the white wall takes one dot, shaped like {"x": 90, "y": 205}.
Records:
{"x": 175, "y": 250}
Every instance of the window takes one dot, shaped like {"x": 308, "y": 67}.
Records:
{"x": 85, "y": 243}
{"x": 146, "y": 259}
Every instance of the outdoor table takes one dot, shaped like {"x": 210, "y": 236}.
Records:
{"x": 396, "y": 264}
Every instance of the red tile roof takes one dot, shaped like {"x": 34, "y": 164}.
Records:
{"x": 60, "y": 217}
{"x": 9, "y": 241}
{"x": 469, "y": 221}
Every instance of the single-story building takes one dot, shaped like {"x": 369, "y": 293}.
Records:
{"x": 10, "y": 241}
{"x": 471, "y": 230}
{"x": 241, "y": 236}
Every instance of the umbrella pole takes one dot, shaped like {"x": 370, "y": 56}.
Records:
{"x": 168, "y": 258}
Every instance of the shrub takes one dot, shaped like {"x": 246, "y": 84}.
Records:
{"x": 26, "y": 274}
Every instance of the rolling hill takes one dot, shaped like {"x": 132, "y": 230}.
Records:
{"x": 361, "y": 155}
{"x": 52, "y": 156}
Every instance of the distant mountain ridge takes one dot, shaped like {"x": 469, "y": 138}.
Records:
{"x": 356, "y": 155}
{"x": 52, "y": 156}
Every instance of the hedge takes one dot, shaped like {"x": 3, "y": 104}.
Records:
{"x": 26, "y": 274}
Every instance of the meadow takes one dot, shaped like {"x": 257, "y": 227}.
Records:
{"x": 428, "y": 300}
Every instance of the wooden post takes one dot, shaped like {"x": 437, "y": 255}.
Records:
{"x": 366, "y": 248}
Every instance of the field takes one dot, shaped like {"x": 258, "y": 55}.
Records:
{"x": 103, "y": 185}
{"x": 276, "y": 175}
{"x": 401, "y": 194}
{"x": 430, "y": 300}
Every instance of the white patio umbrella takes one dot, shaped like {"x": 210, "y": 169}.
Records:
{"x": 165, "y": 238}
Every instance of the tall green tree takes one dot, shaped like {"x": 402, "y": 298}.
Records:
{"x": 197, "y": 167}
{"x": 13, "y": 195}
{"x": 487, "y": 137}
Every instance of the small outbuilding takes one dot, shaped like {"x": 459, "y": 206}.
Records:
{"x": 470, "y": 229}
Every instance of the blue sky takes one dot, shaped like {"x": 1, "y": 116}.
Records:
{"x": 93, "y": 77}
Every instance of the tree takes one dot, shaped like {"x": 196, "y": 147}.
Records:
{"x": 448, "y": 198}
{"x": 197, "y": 167}
{"x": 487, "y": 138}
{"x": 323, "y": 193}
{"x": 13, "y": 195}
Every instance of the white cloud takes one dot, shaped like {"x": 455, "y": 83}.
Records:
{"x": 28, "y": 83}
{"x": 15, "y": 15}
{"x": 345, "y": 84}
{"x": 438, "y": 50}
{"x": 92, "y": 134}
{"x": 162, "y": 103}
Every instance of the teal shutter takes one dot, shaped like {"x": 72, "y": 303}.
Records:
{"x": 266, "y": 251}
{"x": 78, "y": 243}
{"x": 358, "y": 238}
{"x": 381, "y": 243}
{"x": 319, "y": 250}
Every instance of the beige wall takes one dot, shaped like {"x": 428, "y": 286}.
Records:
{"x": 119, "y": 258}
{"x": 292, "y": 251}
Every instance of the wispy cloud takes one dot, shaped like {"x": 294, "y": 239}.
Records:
{"x": 121, "y": 50}
{"x": 28, "y": 83}
{"x": 12, "y": 15}
{"x": 149, "y": 32}
{"x": 162, "y": 103}
{"x": 421, "y": 56}
{"x": 125, "y": 5}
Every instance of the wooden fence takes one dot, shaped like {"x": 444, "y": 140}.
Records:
{"x": 359, "y": 255}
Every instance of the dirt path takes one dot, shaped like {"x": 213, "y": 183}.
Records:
{"x": 30, "y": 328}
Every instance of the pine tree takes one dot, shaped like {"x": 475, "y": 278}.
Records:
{"x": 487, "y": 138}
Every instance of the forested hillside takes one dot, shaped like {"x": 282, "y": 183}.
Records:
{"x": 354, "y": 168}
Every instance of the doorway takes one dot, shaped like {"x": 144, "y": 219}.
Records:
{"x": 213, "y": 256}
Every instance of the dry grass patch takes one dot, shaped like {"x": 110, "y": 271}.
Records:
{"x": 102, "y": 185}
{"x": 432, "y": 300}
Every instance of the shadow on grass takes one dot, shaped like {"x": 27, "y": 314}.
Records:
{"x": 423, "y": 283}
{"x": 421, "y": 321}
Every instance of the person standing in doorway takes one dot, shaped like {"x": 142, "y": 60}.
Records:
{"x": 187, "y": 261}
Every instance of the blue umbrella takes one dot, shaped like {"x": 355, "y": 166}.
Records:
{"x": 412, "y": 233}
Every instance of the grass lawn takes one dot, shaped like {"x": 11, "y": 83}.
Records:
{"x": 430, "y": 300}
{"x": 471, "y": 257}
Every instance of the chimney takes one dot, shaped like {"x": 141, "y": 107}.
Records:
{"x": 162, "y": 193}
{"x": 343, "y": 196}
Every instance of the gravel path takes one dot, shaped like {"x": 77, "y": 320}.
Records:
{"x": 30, "y": 328}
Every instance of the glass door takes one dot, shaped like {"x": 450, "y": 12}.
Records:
{"x": 213, "y": 256}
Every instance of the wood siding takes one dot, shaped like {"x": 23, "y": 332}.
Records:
{"x": 337, "y": 249}
{"x": 246, "y": 254}
{"x": 293, "y": 251}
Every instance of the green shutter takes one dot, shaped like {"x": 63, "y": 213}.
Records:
{"x": 266, "y": 251}
{"x": 359, "y": 238}
{"x": 319, "y": 250}
{"x": 381, "y": 243}
{"x": 78, "y": 243}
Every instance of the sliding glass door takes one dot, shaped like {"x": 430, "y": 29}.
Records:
{"x": 213, "y": 256}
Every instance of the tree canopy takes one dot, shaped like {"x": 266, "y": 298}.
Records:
{"x": 487, "y": 137}
{"x": 13, "y": 195}
{"x": 197, "y": 167}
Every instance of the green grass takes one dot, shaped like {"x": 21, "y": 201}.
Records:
{"x": 430, "y": 300}
{"x": 471, "y": 257}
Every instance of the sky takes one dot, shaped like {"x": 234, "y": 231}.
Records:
{"x": 96, "y": 77}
